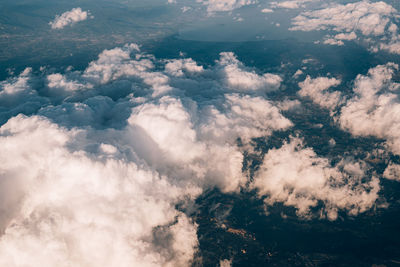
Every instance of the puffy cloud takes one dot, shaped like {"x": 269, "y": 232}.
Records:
{"x": 346, "y": 36}
{"x": 374, "y": 108}
{"x": 97, "y": 177}
{"x": 316, "y": 90}
{"x": 204, "y": 148}
{"x": 69, "y": 18}
{"x": 238, "y": 78}
{"x": 295, "y": 176}
{"x": 290, "y": 4}
{"x": 74, "y": 208}
{"x": 267, "y": 10}
{"x": 338, "y": 38}
{"x": 245, "y": 117}
{"x": 17, "y": 95}
{"x": 117, "y": 63}
{"x": 17, "y": 85}
{"x": 374, "y": 21}
{"x": 225, "y": 263}
{"x": 368, "y": 18}
{"x": 225, "y": 5}
{"x": 392, "y": 172}
{"x": 177, "y": 67}
{"x": 59, "y": 81}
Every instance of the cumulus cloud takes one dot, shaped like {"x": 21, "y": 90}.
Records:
{"x": 106, "y": 154}
{"x": 96, "y": 178}
{"x": 316, "y": 90}
{"x": 240, "y": 79}
{"x": 290, "y": 4}
{"x": 17, "y": 95}
{"x": 374, "y": 108}
{"x": 225, "y": 263}
{"x": 225, "y": 5}
{"x": 177, "y": 67}
{"x": 207, "y": 143}
{"x": 245, "y": 117}
{"x": 69, "y": 18}
{"x": 295, "y": 176}
{"x": 374, "y": 22}
{"x": 59, "y": 81}
{"x": 267, "y": 10}
{"x": 73, "y": 208}
{"x": 392, "y": 172}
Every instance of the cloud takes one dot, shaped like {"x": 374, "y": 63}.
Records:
{"x": 73, "y": 207}
{"x": 69, "y": 18}
{"x": 98, "y": 167}
{"x": 291, "y": 4}
{"x": 392, "y": 172}
{"x": 204, "y": 147}
{"x": 225, "y": 263}
{"x": 238, "y": 78}
{"x": 177, "y": 67}
{"x": 295, "y": 176}
{"x": 17, "y": 95}
{"x": 373, "y": 109}
{"x": 316, "y": 90}
{"x": 107, "y": 154}
{"x": 374, "y": 22}
{"x": 117, "y": 63}
{"x": 59, "y": 81}
{"x": 267, "y": 10}
{"x": 225, "y": 5}
{"x": 245, "y": 117}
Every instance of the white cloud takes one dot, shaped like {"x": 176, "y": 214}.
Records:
{"x": 59, "y": 81}
{"x": 245, "y": 117}
{"x": 240, "y": 79}
{"x": 204, "y": 148}
{"x": 267, "y": 10}
{"x": 72, "y": 208}
{"x": 316, "y": 90}
{"x": 177, "y": 67}
{"x": 103, "y": 190}
{"x": 17, "y": 85}
{"x": 374, "y": 108}
{"x": 225, "y": 5}
{"x": 290, "y": 4}
{"x": 69, "y": 18}
{"x": 392, "y": 172}
{"x": 295, "y": 176}
{"x": 17, "y": 95}
{"x": 225, "y": 263}
{"x": 346, "y": 36}
{"x": 98, "y": 180}
{"x": 332, "y": 41}
{"x": 373, "y": 21}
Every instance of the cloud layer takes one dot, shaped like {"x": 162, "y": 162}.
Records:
{"x": 106, "y": 155}
{"x": 103, "y": 156}
{"x": 373, "y": 23}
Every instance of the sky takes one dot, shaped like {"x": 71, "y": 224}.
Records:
{"x": 143, "y": 133}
